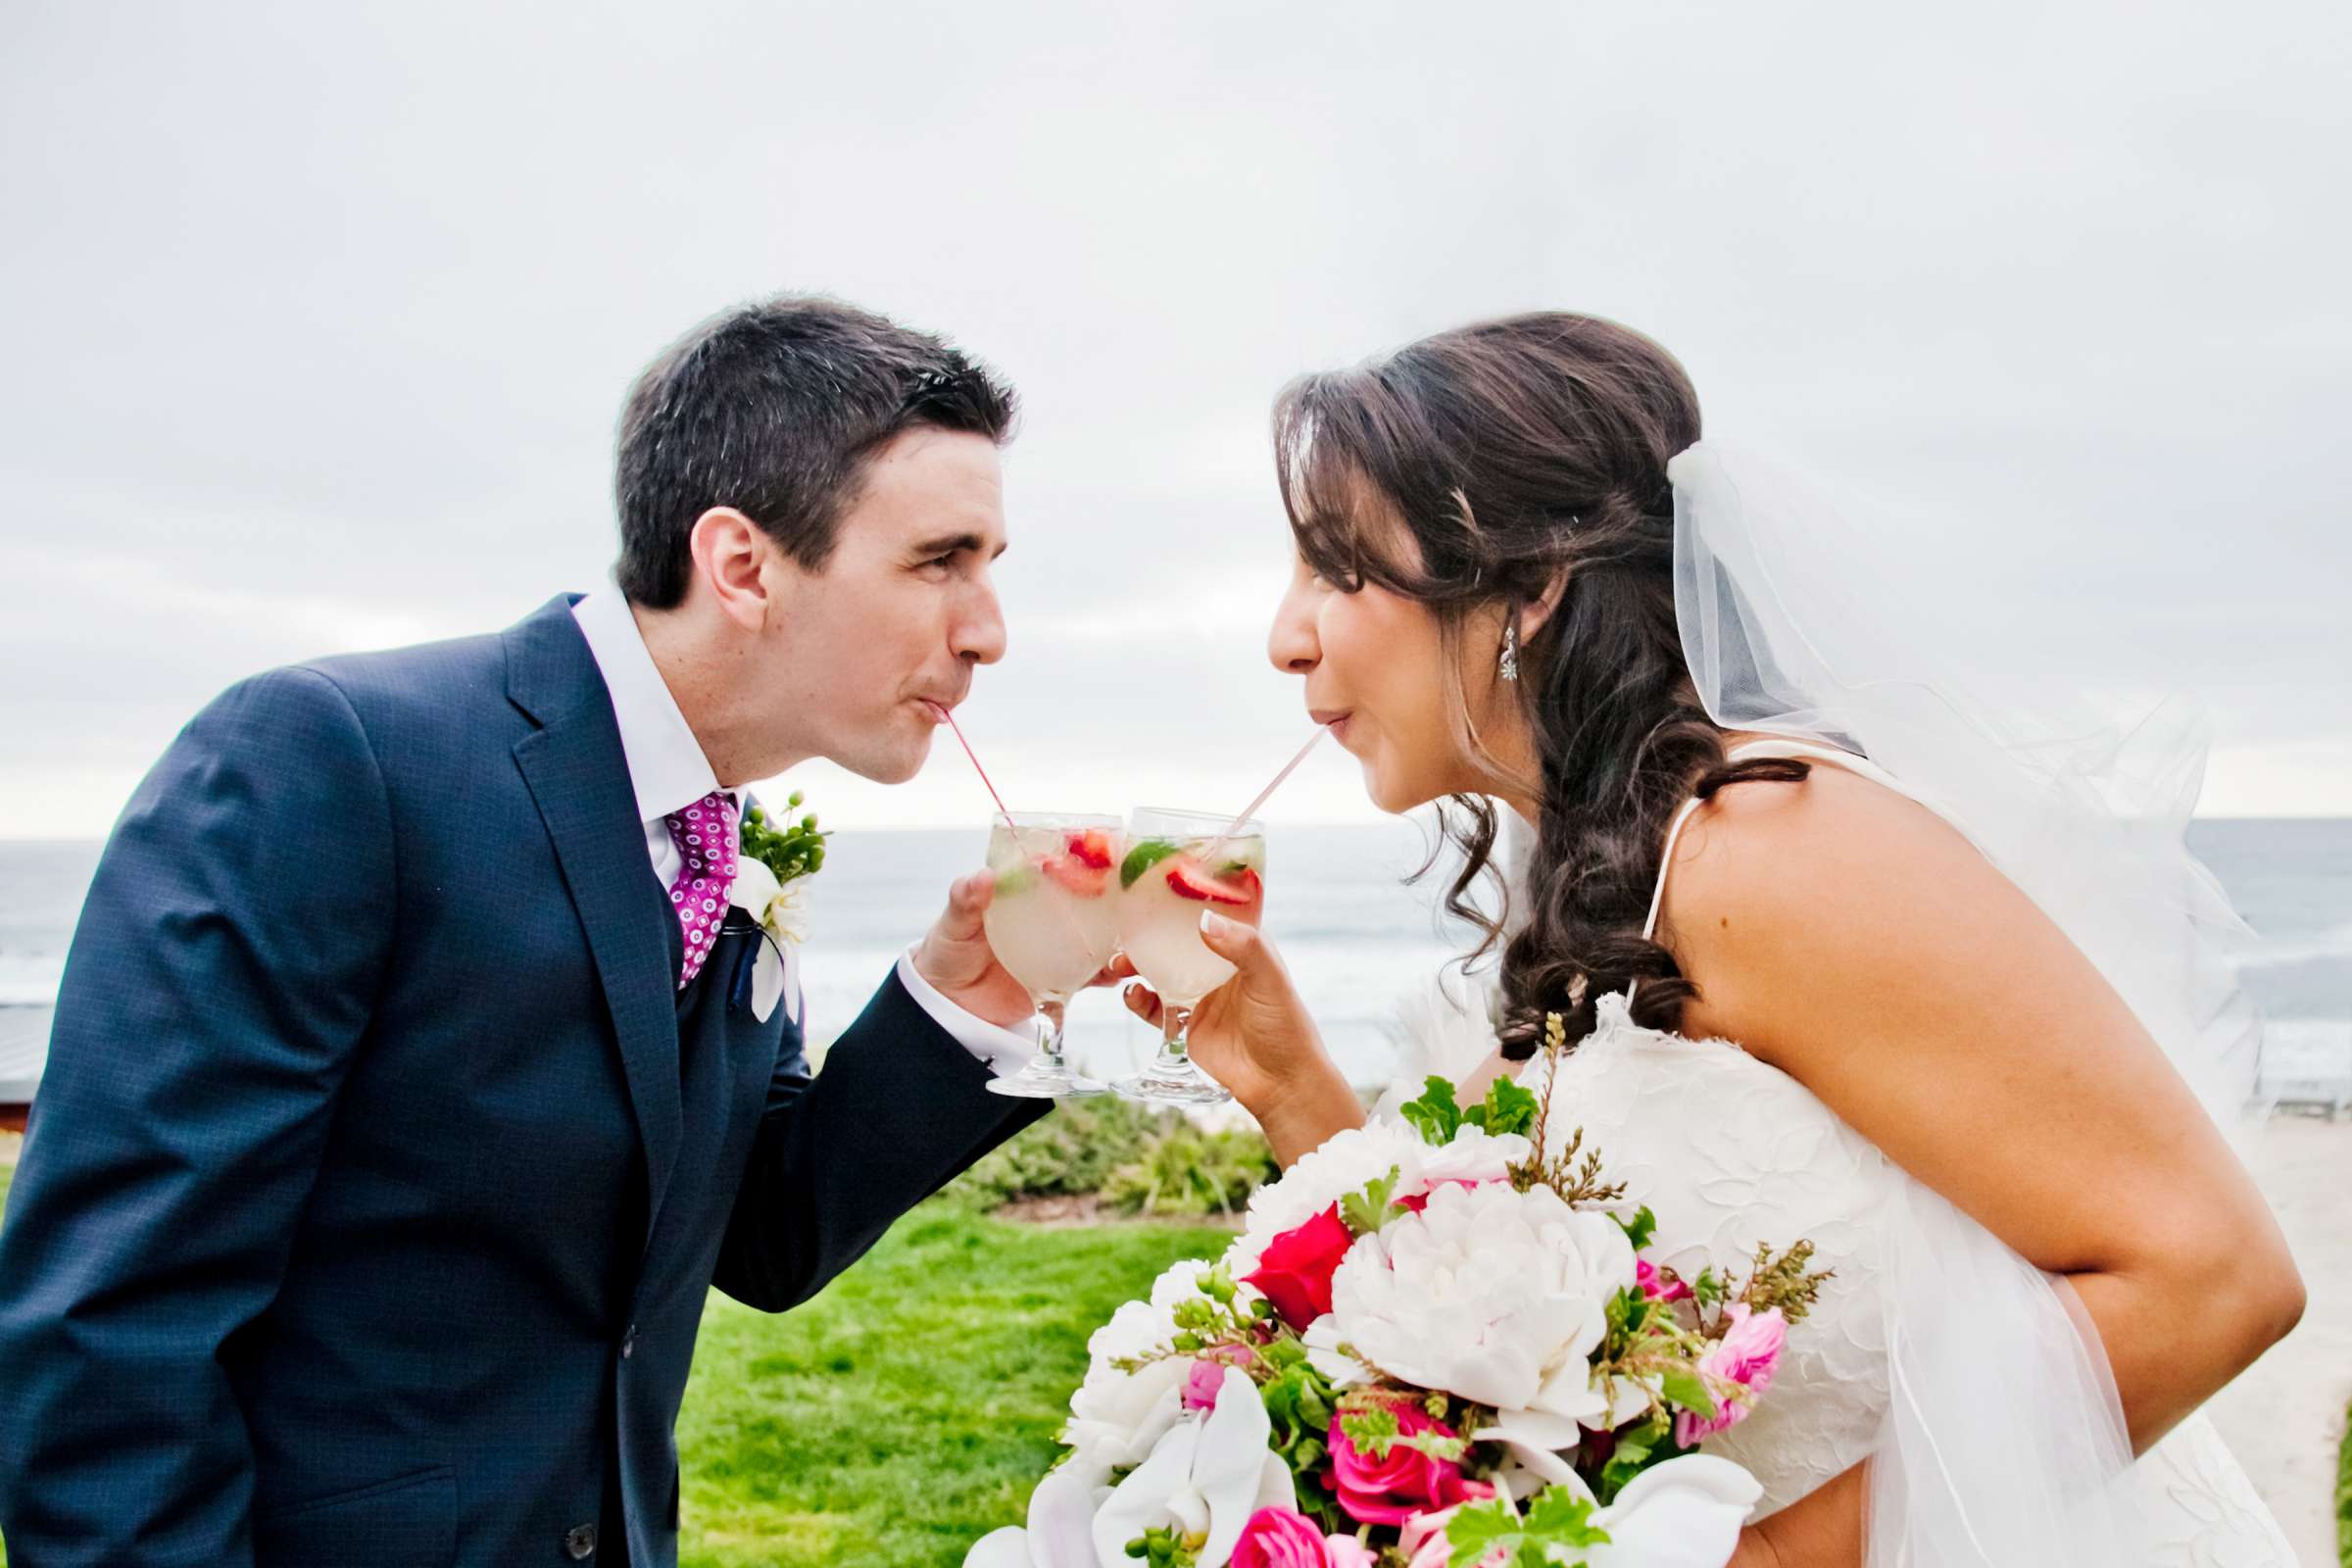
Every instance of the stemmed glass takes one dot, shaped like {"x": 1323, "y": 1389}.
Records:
{"x": 1053, "y": 924}
{"x": 1178, "y": 865}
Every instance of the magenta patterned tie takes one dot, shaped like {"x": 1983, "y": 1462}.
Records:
{"x": 704, "y": 834}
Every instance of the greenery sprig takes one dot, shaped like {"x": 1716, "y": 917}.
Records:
{"x": 795, "y": 849}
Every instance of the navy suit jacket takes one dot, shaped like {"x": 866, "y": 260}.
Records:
{"x": 379, "y": 1171}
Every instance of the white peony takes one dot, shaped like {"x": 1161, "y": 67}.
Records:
{"x": 1473, "y": 1156}
{"x": 1324, "y": 1354}
{"x": 1495, "y": 1295}
{"x": 1350, "y": 1160}
{"x": 1343, "y": 1164}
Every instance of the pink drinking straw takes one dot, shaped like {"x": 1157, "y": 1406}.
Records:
{"x": 1273, "y": 784}
{"x": 948, "y": 716}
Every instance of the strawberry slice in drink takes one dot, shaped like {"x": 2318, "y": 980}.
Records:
{"x": 1091, "y": 848}
{"x": 1081, "y": 877}
{"x": 1189, "y": 879}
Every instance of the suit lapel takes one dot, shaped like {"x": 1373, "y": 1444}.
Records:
{"x": 579, "y": 778}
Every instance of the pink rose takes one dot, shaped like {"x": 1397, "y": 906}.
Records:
{"x": 1391, "y": 1490}
{"x": 1746, "y": 1356}
{"x": 1653, "y": 1286}
{"x": 1294, "y": 1271}
{"x": 1283, "y": 1538}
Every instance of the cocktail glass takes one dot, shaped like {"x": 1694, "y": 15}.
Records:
{"x": 1177, "y": 866}
{"x": 1053, "y": 924}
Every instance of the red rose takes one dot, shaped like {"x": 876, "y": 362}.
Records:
{"x": 1295, "y": 1273}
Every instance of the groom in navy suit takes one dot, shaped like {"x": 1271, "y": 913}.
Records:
{"x": 408, "y": 1087}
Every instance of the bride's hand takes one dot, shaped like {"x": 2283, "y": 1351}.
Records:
{"x": 1255, "y": 1036}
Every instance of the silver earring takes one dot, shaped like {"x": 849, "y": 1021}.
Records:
{"x": 1509, "y": 667}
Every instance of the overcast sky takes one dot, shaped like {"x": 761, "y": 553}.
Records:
{"x": 319, "y": 316}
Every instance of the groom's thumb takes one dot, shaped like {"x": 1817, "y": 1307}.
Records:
{"x": 967, "y": 902}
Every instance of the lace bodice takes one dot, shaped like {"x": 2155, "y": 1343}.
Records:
{"x": 1732, "y": 1154}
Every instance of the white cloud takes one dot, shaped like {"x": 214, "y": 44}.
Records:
{"x": 319, "y": 329}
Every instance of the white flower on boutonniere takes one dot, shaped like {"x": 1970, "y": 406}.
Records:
{"x": 771, "y": 887}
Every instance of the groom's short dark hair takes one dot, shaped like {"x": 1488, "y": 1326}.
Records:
{"x": 773, "y": 409}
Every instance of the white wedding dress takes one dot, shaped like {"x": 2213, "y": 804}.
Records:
{"x": 1730, "y": 1153}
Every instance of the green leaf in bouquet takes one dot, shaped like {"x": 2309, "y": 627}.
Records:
{"x": 1641, "y": 1228}
{"x": 1636, "y": 1449}
{"x": 1368, "y": 1209}
{"x": 1688, "y": 1389}
{"x": 1554, "y": 1532}
{"x": 1314, "y": 1401}
{"x": 1435, "y": 1115}
{"x": 1708, "y": 1288}
{"x": 1372, "y": 1432}
{"x": 1509, "y": 1108}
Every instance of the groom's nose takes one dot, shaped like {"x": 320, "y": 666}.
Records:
{"x": 977, "y": 633}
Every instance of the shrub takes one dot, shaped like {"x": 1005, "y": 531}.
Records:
{"x": 1188, "y": 1171}
{"x": 1071, "y": 1152}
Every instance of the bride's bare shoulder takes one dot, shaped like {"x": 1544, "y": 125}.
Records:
{"x": 1777, "y": 889}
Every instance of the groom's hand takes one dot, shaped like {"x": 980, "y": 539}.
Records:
{"x": 956, "y": 958}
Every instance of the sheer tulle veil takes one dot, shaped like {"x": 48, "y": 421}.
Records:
{"x": 2004, "y": 1445}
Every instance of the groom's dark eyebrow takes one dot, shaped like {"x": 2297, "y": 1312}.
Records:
{"x": 955, "y": 544}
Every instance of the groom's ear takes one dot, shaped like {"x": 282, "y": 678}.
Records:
{"x": 731, "y": 555}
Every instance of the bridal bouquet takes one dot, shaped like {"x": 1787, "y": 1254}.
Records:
{"x": 1431, "y": 1345}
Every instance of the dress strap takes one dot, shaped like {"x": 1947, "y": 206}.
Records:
{"x": 1657, "y": 896}
{"x": 1774, "y": 747}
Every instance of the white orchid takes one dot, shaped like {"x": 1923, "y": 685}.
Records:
{"x": 1117, "y": 1417}
{"x": 781, "y": 910}
{"x": 1205, "y": 1477}
{"x": 1495, "y": 1295}
{"x": 1061, "y": 1529}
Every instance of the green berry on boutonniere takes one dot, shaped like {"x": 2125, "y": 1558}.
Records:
{"x": 774, "y": 860}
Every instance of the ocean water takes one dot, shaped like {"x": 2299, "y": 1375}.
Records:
{"x": 1355, "y": 937}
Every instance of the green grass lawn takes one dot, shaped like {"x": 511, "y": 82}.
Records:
{"x": 911, "y": 1407}
{"x": 2343, "y": 1494}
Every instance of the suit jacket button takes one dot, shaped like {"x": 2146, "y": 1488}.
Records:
{"x": 579, "y": 1543}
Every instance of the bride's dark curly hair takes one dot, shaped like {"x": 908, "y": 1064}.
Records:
{"x": 1511, "y": 452}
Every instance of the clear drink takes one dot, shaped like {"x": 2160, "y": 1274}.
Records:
{"x": 1053, "y": 924}
{"x": 1179, "y": 864}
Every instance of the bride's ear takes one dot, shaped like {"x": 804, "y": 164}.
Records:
{"x": 1534, "y": 615}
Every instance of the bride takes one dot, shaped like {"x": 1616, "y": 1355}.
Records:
{"x": 1836, "y": 958}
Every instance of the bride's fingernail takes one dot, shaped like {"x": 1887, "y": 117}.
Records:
{"x": 1214, "y": 924}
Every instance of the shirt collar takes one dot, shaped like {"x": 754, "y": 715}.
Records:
{"x": 666, "y": 766}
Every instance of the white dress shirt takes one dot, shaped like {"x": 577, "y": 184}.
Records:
{"x": 668, "y": 772}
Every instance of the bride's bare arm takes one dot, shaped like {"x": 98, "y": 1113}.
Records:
{"x": 1850, "y": 938}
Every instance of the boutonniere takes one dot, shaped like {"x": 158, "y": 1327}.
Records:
{"x": 772, "y": 886}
